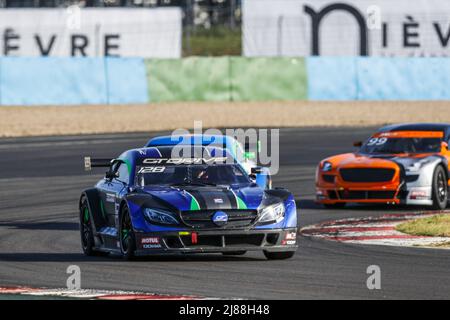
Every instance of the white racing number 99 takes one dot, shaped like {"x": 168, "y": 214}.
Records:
{"x": 377, "y": 141}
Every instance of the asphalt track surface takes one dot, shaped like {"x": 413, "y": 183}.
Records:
{"x": 41, "y": 179}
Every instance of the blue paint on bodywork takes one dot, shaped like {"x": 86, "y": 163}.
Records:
{"x": 246, "y": 196}
{"x": 196, "y": 139}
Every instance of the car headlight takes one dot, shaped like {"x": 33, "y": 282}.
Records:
{"x": 159, "y": 216}
{"x": 273, "y": 213}
{"x": 327, "y": 166}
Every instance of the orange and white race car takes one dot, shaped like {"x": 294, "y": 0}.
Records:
{"x": 399, "y": 164}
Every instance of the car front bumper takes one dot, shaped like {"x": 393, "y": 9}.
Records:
{"x": 358, "y": 195}
{"x": 216, "y": 241}
{"x": 408, "y": 196}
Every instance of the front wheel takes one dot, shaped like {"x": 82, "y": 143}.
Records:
{"x": 440, "y": 189}
{"x": 279, "y": 255}
{"x": 126, "y": 234}
{"x": 87, "y": 236}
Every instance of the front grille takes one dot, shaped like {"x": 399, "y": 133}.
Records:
{"x": 224, "y": 240}
{"x": 367, "y": 174}
{"x": 328, "y": 178}
{"x": 203, "y": 241}
{"x": 239, "y": 240}
{"x": 332, "y": 194}
{"x": 203, "y": 219}
{"x": 366, "y": 195}
{"x": 412, "y": 178}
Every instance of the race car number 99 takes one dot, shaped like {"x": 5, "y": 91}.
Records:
{"x": 377, "y": 141}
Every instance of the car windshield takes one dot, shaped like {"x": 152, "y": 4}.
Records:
{"x": 399, "y": 145}
{"x": 218, "y": 174}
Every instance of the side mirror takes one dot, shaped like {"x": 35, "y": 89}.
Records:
{"x": 444, "y": 146}
{"x": 247, "y": 147}
{"x": 357, "y": 144}
{"x": 249, "y": 155}
{"x": 111, "y": 175}
{"x": 256, "y": 170}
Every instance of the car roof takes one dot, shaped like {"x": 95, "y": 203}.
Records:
{"x": 134, "y": 156}
{"x": 190, "y": 139}
{"x": 443, "y": 127}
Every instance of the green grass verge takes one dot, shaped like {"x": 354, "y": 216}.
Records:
{"x": 217, "y": 41}
{"x": 435, "y": 226}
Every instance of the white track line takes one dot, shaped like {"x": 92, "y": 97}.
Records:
{"x": 94, "y": 294}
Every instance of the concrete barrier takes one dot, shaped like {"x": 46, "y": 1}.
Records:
{"x": 403, "y": 78}
{"x": 378, "y": 78}
{"x": 126, "y": 80}
{"x": 74, "y": 81}
{"x": 263, "y": 79}
{"x": 189, "y": 79}
{"x": 332, "y": 78}
{"x": 227, "y": 79}
{"x": 51, "y": 81}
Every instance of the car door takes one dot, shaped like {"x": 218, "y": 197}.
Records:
{"x": 112, "y": 191}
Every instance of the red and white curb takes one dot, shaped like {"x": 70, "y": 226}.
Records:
{"x": 91, "y": 294}
{"x": 373, "y": 231}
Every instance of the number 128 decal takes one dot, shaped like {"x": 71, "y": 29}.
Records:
{"x": 152, "y": 169}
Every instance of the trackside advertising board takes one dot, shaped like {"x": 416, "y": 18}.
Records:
{"x": 124, "y": 32}
{"x": 346, "y": 28}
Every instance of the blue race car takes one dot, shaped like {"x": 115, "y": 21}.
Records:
{"x": 150, "y": 202}
{"x": 240, "y": 153}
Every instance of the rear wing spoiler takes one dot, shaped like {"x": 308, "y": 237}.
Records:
{"x": 90, "y": 163}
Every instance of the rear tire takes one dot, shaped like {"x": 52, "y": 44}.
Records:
{"x": 234, "y": 253}
{"x": 337, "y": 205}
{"x": 440, "y": 189}
{"x": 279, "y": 255}
{"x": 86, "y": 233}
{"x": 126, "y": 234}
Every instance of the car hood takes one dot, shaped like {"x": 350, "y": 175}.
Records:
{"x": 207, "y": 198}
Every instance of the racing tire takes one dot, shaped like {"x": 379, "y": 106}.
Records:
{"x": 126, "y": 235}
{"x": 337, "y": 205}
{"x": 279, "y": 255}
{"x": 234, "y": 253}
{"x": 440, "y": 189}
{"x": 86, "y": 233}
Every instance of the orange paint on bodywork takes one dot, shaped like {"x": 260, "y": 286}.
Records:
{"x": 409, "y": 134}
{"x": 335, "y": 184}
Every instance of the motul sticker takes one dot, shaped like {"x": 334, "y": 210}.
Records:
{"x": 150, "y": 243}
{"x": 150, "y": 240}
